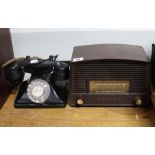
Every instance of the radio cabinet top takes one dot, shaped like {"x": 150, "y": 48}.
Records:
{"x": 109, "y": 51}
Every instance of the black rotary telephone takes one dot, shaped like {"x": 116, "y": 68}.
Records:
{"x": 47, "y": 86}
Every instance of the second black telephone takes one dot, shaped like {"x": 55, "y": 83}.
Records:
{"x": 47, "y": 86}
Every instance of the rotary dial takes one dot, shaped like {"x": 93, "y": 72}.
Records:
{"x": 38, "y": 91}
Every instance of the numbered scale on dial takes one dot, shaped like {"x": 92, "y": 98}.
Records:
{"x": 38, "y": 91}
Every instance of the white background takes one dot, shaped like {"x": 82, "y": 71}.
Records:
{"x": 45, "y": 42}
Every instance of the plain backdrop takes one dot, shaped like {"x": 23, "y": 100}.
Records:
{"x": 45, "y": 42}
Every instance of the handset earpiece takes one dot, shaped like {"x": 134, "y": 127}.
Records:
{"x": 14, "y": 73}
{"x": 61, "y": 71}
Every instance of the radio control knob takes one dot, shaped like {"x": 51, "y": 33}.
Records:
{"x": 138, "y": 101}
{"x": 80, "y": 101}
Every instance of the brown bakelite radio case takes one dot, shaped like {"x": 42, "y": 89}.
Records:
{"x": 109, "y": 75}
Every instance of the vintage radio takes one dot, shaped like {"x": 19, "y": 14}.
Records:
{"x": 109, "y": 75}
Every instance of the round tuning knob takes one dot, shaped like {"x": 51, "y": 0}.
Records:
{"x": 80, "y": 102}
{"x": 138, "y": 101}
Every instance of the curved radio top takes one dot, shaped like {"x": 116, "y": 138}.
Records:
{"x": 109, "y": 52}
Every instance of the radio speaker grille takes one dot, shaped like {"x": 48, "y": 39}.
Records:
{"x": 108, "y": 70}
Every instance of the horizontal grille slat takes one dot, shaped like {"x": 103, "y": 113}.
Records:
{"x": 108, "y": 70}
